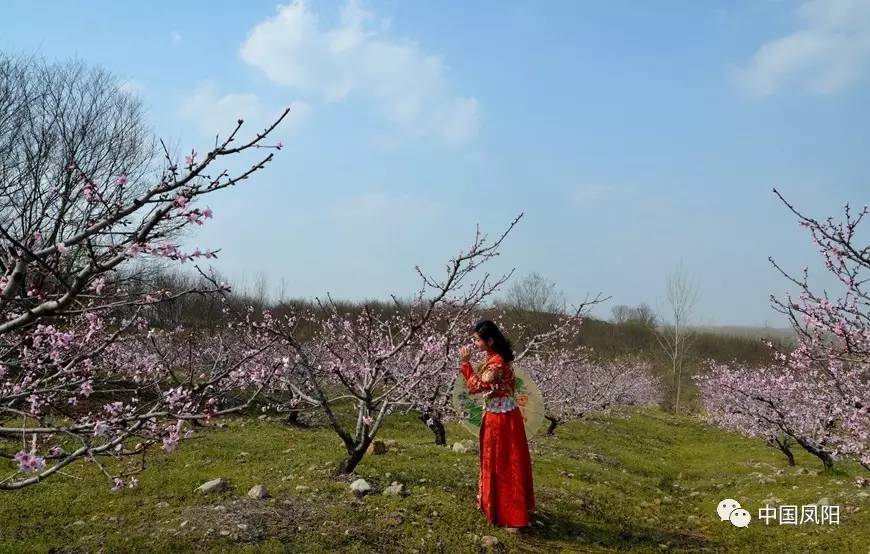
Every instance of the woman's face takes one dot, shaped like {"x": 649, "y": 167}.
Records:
{"x": 481, "y": 344}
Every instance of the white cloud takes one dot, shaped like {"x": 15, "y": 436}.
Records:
{"x": 354, "y": 58}
{"x": 214, "y": 113}
{"x": 459, "y": 120}
{"x": 830, "y": 51}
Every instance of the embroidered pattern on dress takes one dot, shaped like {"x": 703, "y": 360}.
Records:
{"x": 500, "y": 404}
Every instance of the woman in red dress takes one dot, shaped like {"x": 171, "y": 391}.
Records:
{"x": 505, "y": 491}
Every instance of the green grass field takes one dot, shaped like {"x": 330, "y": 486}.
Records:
{"x": 645, "y": 481}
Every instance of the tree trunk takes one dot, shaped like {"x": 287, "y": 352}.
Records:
{"x": 293, "y": 419}
{"x": 783, "y": 446}
{"x": 824, "y": 456}
{"x": 436, "y": 427}
{"x": 354, "y": 455}
{"x": 351, "y": 461}
{"x": 553, "y": 423}
{"x": 827, "y": 461}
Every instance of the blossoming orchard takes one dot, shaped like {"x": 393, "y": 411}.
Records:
{"x": 416, "y": 383}
{"x": 818, "y": 394}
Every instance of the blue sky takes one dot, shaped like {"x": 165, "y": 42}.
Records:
{"x": 632, "y": 135}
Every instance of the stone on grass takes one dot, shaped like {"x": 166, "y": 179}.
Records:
{"x": 395, "y": 489}
{"x": 459, "y": 447}
{"x": 215, "y": 485}
{"x": 377, "y": 447}
{"x": 360, "y": 487}
{"x": 488, "y": 541}
{"x": 258, "y": 491}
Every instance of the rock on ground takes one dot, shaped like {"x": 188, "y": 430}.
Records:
{"x": 360, "y": 487}
{"x": 258, "y": 491}
{"x": 215, "y": 485}
{"x": 395, "y": 489}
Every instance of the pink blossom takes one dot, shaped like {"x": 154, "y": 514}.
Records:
{"x": 74, "y": 345}
{"x": 90, "y": 192}
{"x": 98, "y": 284}
{"x": 29, "y": 461}
{"x": 114, "y": 409}
{"x": 172, "y": 436}
{"x": 100, "y": 429}
{"x": 134, "y": 249}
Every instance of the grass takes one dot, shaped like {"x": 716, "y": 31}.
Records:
{"x": 646, "y": 481}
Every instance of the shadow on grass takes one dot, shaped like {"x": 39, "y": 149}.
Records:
{"x": 560, "y": 527}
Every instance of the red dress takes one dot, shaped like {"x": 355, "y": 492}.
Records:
{"x": 505, "y": 491}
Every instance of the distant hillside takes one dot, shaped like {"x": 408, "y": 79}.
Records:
{"x": 614, "y": 339}
{"x": 785, "y": 336}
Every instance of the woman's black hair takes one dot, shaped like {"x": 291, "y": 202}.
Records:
{"x": 486, "y": 330}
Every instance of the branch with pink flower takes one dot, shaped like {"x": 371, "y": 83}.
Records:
{"x": 379, "y": 361}
{"x": 73, "y": 323}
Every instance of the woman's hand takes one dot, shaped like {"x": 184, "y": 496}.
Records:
{"x": 464, "y": 354}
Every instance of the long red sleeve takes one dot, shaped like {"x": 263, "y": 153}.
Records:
{"x": 488, "y": 380}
